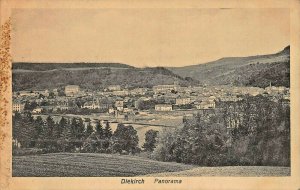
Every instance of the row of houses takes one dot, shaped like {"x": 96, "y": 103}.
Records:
{"x": 173, "y": 94}
{"x": 165, "y": 96}
{"x": 116, "y": 90}
{"x": 105, "y": 104}
{"x": 31, "y": 93}
{"x": 210, "y": 104}
{"x": 98, "y": 104}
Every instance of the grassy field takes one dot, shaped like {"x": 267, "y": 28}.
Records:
{"x": 106, "y": 165}
{"x": 88, "y": 164}
{"x": 242, "y": 171}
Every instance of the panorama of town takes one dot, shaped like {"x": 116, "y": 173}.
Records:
{"x": 158, "y": 107}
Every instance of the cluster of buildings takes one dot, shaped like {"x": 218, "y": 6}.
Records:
{"x": 119, "y": 101}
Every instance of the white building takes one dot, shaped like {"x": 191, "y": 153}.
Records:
{"x": 111, "y": 110}
{"x": 27, "y": 93}
{"x": 119, "y": 104}
{"x": 16, "y": 143}
{"x": 62, "y": 104}
{"x": 91, "y": 105}
{"x": 72, "y": 90}
{"x": 163, "y": 107}
{"x": 42, "y": 92}
{"x": 165, "y": 88}
{"x": 114, "y": 87}
{"x": 37, "y": 110}
{"x": 121, "y": 93}
{"x": 275, "y": 90}
{"x": 138, "y": 91}
{"x": 18, "y": 107}
{"x": 55, "y": 92}
{"x": 206, "y": 105}
{"x": 183, "y": 101}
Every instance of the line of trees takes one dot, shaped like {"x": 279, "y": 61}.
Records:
{"x": 72, "y": 135}
{"x": 254, "y": 131}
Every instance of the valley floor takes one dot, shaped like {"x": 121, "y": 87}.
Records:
{"x": 107, "y": 165}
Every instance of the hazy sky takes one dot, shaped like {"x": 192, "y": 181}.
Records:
{"x": 147, "y": 37}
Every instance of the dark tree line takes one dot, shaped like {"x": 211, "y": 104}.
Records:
{"x": 72, "y": 136}
{"x": 254, "y": 131}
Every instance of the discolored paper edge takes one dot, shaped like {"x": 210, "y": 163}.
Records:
{"x": 8, "y": 182}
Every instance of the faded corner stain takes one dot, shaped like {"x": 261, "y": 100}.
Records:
{"x": 5, "y": 61}
{"x": 5, "y": 65}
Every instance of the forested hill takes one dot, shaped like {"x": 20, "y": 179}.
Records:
{"x": 53, "y": 66}
{"x": 257, "y": 70}
{"x": 96, "y": 78}
{"x": 260, "y": 71}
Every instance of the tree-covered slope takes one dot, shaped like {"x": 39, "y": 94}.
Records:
{"x": 94, "y": 79}
{"x": 258, "y": 71}
{"x": 254, "y": 70}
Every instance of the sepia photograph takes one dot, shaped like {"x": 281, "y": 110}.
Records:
{"x": 152, "y": 95}
{"x": 151, "y": 92}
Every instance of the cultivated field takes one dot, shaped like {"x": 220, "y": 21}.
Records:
{"x": 89, "y": 164}
{"x": 106, "y": 165}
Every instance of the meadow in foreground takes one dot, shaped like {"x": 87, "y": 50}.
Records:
{"x": 107, "y": 165}
{"x": 89, "y": 165}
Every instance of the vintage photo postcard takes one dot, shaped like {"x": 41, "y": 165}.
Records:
{"x": 149, "y": 95}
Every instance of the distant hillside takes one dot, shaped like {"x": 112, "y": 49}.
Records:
{"x": 257, "y": 70}
{"x": 96, "y": 78}
{"x": 258, "y": 75}
{"x": 52, "y": 66}
{"x": 260, "y": 70}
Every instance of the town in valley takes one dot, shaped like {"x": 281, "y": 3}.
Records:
{"x": 157, "y": 108}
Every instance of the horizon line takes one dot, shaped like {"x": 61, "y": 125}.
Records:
{"x": 117, "y": 62}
